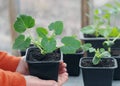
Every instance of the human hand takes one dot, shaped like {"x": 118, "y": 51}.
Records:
{"x": 63, "y": 75}
{"x": 35, "y": 81}
{"x": 22, "y": 67}
{"x": 62, "y": 78}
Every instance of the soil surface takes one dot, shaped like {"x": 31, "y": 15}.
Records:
{"x": 103, "y": 63}
{"x": 35, "y": 55}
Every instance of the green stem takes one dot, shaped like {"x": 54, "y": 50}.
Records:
{"x": 35, "y": 43}
{"x": 116, "y": 37}
{"x": 109, "y": 49}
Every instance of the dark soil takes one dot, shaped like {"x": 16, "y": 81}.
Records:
{"x": 35, "y": 55}
{"x": 91, "y": 36}
{"x": 103, "y": 63}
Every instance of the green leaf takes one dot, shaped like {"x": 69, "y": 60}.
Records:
{"x": 42, "y": 32}
{"x": 23, "y": 22}
{"x": 92, "y": 49}
{"x": 108, "y": 44}
{"x": 109, "y": 5}
{"x": 107, "y": 16}
{"x": 115, "y": 32}
{"x": 21, "y": 42}
{"x": 71, "y": 45}
{"x": 97, "y": 11}
{"x": 105, "y": 54}
{"x": 48, "y": 44}
{"x": 88, "y": 29}
{"x": 105, "y": 31}
{"x": 86, "y": 46}
{"x": 57, "y": 27}
{"x": 102, "y": 50}
{"x": 97, "y": 57}
{"x": 96, "y": 60}
{"x": 117, "y": 3}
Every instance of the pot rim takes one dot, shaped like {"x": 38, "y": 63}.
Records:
{"x": 115, "y": 64}
{"x": 61, "y": 58}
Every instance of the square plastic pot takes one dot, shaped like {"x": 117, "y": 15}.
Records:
{"x": 72, "y": 61}
{"x": 98, "y": 76}
{"x": 47, "y": 70}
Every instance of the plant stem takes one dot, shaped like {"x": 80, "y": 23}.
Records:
{"x": 35, "y": 42}
{"x": 116, "y": 37}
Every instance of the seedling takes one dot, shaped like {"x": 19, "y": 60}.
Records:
{"x": 46, "y": 39}
{"x": 102, "y": 28}
{"x": 102, "y": 21}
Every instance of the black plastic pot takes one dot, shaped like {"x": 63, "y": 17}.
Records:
{"x": 115, "y": 51}
{"x": 47, "y": 70}
{"x": 23, "y": 52}
{"x": 98, "y": 43}
{"x": 72, "y": 61}
{"x": 117, "y": 70}
{"x": 98, "y": 76}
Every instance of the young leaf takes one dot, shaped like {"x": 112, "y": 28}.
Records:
{"x": 109, "y": 5}
{"x": 97, "y": 11}
{"x": 48, "y": 44}
{"x": 108, "y": 44}
{"x": 115, "y": 32}
{"x": 97, "y": 57}
{"x": 107, "y": 16}
{"x": 105, "y": 54}
{"x": 96, "y": 60}
{"x": 102, "y": 50}
{"x": 88, "y": 29}
{"x": 57, "y": 27}
{"x": 71, "y": 45}
{"x": 86, "y": 46}
{"x": 21, "y": 42}
{"x": 42, "y": 32}
{"x": 92, "y": 49}
{"x": 23, "y": 22}
{"x": 105, "y": 31}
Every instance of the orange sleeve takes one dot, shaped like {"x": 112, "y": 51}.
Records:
{"x": 8, "y": 78}
{"x": 8, "y": 62}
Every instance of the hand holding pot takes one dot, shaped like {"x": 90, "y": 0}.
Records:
{"x": 35, "y": 81}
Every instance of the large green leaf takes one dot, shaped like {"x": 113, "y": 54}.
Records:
{"x": 42, "y": 32}
{"x": 88, "y": 29}
{"x": 48, "y": 44}
{"x": 70, "y": 45}
{"x": 21, "y": 42}
{"x": 57, "y": 27}
{"x": 23, "y": 22}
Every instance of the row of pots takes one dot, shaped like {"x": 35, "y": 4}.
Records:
{"x": 73, "y": 68}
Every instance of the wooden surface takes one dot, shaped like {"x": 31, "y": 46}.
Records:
{"x": 84, "y": 12}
